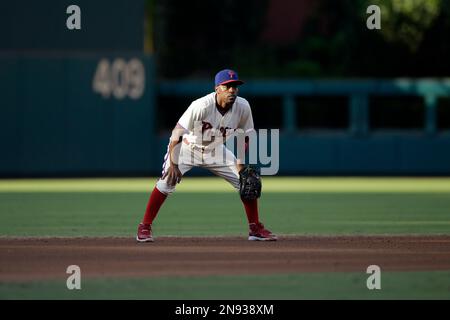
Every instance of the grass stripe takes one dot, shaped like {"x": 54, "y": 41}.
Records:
{"x": 394, "y": 285}
{"x": 203, "y": 214}
{"x": 214, "y": 184}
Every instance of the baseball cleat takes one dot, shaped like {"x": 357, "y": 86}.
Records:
{"x": 144, "y": 233}
{"x": 259, "y": 233}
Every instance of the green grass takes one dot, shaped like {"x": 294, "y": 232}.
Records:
{"x": 208, "y": 184}
{"x": 394, "y": 285}
{"x": 209, "y": 206}
{"x": 188, "y": 214}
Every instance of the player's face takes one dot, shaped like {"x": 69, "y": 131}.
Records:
{"x": 228, "y": 92}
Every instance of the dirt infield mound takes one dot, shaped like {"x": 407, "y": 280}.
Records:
{"x": 24, "y": 259}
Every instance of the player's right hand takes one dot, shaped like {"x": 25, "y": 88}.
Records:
{"x": 173, "y": 175}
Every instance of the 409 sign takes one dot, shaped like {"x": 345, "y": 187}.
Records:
{"x": 119, "y": 78}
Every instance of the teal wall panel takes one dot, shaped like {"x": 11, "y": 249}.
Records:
{"x": 348, "y": 155}
{"x": 91, "y": 121}
{"x": 10, "y": 115}
{"x": 44, "y": 115}
{"x": 54, "y": 123}
{"x": 430, "y": 155}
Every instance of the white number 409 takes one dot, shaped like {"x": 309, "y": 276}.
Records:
{"x": 119, "y": 78}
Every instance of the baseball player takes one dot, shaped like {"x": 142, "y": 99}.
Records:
{"x": 198, "y": 140}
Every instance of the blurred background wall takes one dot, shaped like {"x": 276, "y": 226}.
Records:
{"x": 101, "y": 101}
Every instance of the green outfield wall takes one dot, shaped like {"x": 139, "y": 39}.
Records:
{"x": 88, "y": 115}
{"x": 98, "y": 115}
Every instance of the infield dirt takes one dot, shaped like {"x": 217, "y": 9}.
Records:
{"x": 27, "y": 259}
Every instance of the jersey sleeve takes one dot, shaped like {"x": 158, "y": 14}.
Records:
{"x": 192, "y": 114}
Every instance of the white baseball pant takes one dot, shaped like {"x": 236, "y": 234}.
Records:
{"x": 220, "y": 161}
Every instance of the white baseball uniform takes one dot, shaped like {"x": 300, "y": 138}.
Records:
{"x": 202, "y": 147}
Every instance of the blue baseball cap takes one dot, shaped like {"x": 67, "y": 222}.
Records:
{"x": 227, "y": 76}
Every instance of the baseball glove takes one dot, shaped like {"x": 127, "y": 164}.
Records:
{"x": 249, "y": 183}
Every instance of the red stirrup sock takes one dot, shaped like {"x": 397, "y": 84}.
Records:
{"x": 154, "y": 203}
{"x": 251, "y": 209}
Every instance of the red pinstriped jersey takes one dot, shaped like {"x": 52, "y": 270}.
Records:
{"x": 204, "y": 121}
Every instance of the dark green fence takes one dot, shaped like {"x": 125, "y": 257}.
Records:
{"x": 89, "y": 115}
{"x": 357, "y": 149}
{"x": 97, "y": 115}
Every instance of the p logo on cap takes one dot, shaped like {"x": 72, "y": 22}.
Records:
{"x": 227, "y": 76}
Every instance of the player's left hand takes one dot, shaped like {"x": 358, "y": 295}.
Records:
{"x": 173, "y": 175}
